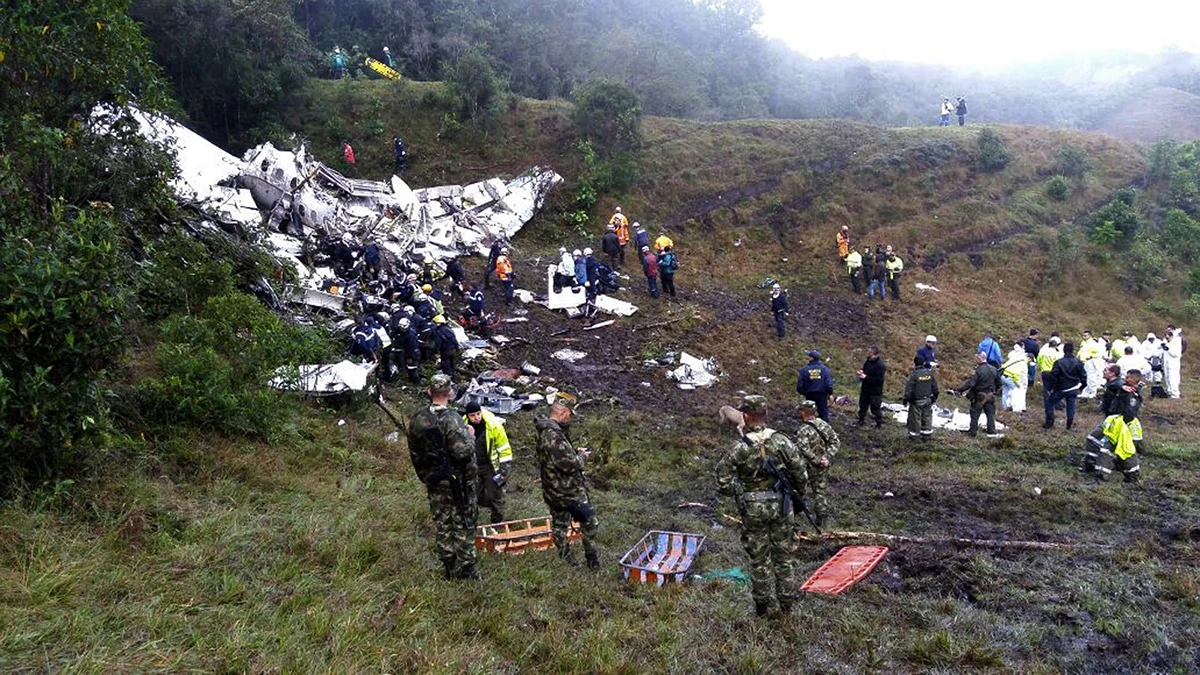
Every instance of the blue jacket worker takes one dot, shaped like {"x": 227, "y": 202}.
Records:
{"x": 816, "y": 384}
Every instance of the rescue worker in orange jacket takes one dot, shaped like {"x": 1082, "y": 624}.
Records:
{"x": 504, "y": 272}
{"x": 843, "y": 242}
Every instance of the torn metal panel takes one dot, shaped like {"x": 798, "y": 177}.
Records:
{"x": 693, "y": 372}
{"x": 323, "y": 379}
{"x": 318, "y": 299}
{"x": 567, "y": 296}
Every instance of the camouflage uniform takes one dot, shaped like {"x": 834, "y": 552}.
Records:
{"x": 768, "y": 533}
{"x": 814, "y": 439}
{"x": 443, "y": 455}
{"x": 563, "y": 489}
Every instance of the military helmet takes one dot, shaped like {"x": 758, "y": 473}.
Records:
{"x": 753, "y": 404}
{"x": 439, "y": 382}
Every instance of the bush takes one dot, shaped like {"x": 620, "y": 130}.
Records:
{"x": 1181, "y": 234}
{"x": 1118, "y": 215}
{"x": 60, "y": 322}
{"x": 1106, "y": 234}
{"x": 1058, "y": 188}
{"x": 478, "y": 92}
{"x": 213, "y": 367}
{"x": 992, "y": 154}
{"x": 608, "y": 114}
{"x": 1073, "y": 161}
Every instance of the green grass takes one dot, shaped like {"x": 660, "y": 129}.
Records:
{"x": 313, "y": 552}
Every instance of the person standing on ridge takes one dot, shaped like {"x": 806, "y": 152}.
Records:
{"x": 815, "y": 383}
{"x": 843, "y": 242}
{"x": 947, "y": 110}
{"x": 347, "y": 152}
{"x": 401, "y": 154}
{"x": 960, "y": 109}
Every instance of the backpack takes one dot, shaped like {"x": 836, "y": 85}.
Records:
{"x": 669, "y": 262}
{"x": 1156, "y": 363}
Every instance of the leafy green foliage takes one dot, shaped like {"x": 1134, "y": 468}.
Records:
{"x": 73, "y": 191}
{"x": 230, "y": 85}
{"x": 608, "y": 114}
{"x": 992, "y": 154}
{"x": 61, "y": 330}
{"x": 1119, "y": 217}
{"x": 1058, "y": 188}
{"x": 213, "y": 367}
{"x": 1181, "y": 235}
{"x": 478, "y": 91}
{"x": 1106, "y": 234}
{"x": 1072, "y": 161}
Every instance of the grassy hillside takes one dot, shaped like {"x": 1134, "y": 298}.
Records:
{"x": 312, "y": 551}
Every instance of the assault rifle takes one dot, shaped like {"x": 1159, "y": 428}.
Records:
{"x": 791, "y": 498}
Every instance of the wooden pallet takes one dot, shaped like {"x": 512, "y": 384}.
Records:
{"x": 661, "y": 557}
{"x": 518, "y": 536}
{"x": 847, "y": 567}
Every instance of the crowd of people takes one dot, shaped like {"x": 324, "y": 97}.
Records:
{"x": 658, "y": 259}
{"x": 872, "y": 272}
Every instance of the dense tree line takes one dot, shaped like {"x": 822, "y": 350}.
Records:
{"x": 687, "y": 58}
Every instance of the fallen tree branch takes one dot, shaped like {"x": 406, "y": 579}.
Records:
{"x": 951, "y": 541}
{"x": 660, "y": 324}
{"x": 693, "y": 505}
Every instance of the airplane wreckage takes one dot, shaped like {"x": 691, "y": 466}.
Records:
{"x": 294, "y": 205}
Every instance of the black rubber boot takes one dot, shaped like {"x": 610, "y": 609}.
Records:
{"x": 470, "y": 572}
{"x": 449, "y": 565}
{"x": 593, "y": 561}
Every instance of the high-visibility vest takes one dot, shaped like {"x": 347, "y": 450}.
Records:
{"x": 498, "y": 448}
{"x": 853, "y": 261}
{"x": 503, "y": 268}
{"x": 894, "y": 266}
{"x": 843, "y": 242}
{"x": 1046, "y": 358}
{"x": 663, "y": 242}
{"x": 622, "y": 230}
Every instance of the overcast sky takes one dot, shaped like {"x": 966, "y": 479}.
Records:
{"x": 978, "y": 34}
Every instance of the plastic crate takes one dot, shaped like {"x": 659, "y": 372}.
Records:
{"x": 518, "y": 536}
{"x": 661, "y": 557}
{"x": 847, "y": 567}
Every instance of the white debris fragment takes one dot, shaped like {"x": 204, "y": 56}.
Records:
{"x": 323, "y": 379}
{"x": 693, "y": 372}
{"x": 943, "y": 418}
{"x": 1037, "y": 490}
{"x": 926, "y": 287}
{"x": 611, "y": 305}
{"x": 568, "y": 355}
{"x": 523, "y": 295}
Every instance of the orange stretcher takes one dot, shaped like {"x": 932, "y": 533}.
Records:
{"x": 847, "y": 567}
{"x": 518, "y": 536}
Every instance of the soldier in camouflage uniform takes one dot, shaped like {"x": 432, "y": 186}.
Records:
{"x": 561, "y": 467}
{"x": 768, "y": 531}
{"x": 443, "y": 455}
{"x": 817, "y": 443}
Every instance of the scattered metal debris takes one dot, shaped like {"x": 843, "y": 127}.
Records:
{"x": 694, "y": 373}
{"x": 323, "y": 379}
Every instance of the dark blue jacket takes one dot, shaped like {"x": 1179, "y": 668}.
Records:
{"x": 443, "y": 336}
{"x": 927, "y": 354}
{"x": 591, "y": 265}
{"x": 779, "y": 303}
{"x": 641, "y": 239}
{"x": 815, "y": 378}
{"x": 475, "y": 303}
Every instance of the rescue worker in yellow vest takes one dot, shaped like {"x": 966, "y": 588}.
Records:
{"x": 894, "y": 266}
{"x": 1114, "y": 443}
{"x": 663, "y": 243}
{"x": 1047, "y": 356}
{"x": 493, "y": 453}
{"x": 1091, "y": 352}
{"x": 854, "y": 267}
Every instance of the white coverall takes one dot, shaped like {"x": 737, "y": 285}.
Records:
{"x": 1171, "y": 365}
